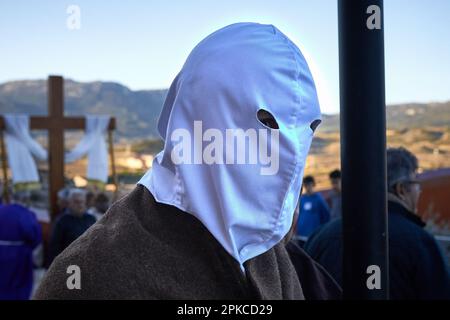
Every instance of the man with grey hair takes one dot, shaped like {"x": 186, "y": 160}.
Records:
{"x": 71, "y": 224}
{"x": 403, "y": 186}
{"x": 417, "y": 269}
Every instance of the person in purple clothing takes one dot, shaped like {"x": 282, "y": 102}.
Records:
{"x": 20, "y": 234}
{"x": 314, "y": 211}
{"x": 71, "y": 224}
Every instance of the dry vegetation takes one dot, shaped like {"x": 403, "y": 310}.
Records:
{"x": 431, "y": 145}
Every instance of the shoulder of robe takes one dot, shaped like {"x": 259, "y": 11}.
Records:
{"x": 142, "y": 249}
{"x": 107, "y": 255}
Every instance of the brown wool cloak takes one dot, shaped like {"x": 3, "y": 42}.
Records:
{"x": 142, "y": 249}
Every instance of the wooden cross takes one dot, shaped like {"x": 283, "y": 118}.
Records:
{"x": 56, "y": 123}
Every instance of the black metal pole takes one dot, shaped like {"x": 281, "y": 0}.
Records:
{"x": 363, "y": 149}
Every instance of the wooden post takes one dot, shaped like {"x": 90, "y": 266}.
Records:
{"x": 56, "y": 140}
{"x": 113, "y": 164}
{"x": 363, "y": 149}
{"x": 4, "y": 168}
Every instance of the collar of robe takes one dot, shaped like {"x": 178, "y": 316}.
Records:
{"x": 221, "y": 163}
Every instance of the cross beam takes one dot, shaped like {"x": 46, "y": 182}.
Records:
{"x": 43, "y": 123}
{"x": 56, "y": 123}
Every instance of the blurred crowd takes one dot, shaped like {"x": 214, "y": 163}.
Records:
{"x": 21, "y": 239}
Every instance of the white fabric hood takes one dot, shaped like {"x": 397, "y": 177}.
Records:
{"x": 233, "y": 73}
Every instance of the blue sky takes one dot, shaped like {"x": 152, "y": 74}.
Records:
{"x": 143, "y": 44}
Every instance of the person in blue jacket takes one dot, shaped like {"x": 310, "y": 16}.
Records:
{"x": 20, "y": 234}
{"x": 314, "y": 211}
{"x": 417, "y": 268}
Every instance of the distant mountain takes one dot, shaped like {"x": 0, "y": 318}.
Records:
{"x": 137, "y": 112}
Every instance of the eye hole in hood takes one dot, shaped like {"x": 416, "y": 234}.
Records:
{"x": 315, "y": 124}
{"x": 267, "y": 119}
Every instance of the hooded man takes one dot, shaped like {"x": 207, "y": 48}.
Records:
{"x": 209, "y": 220}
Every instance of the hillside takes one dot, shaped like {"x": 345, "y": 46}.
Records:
{"x": 137, "y": 111}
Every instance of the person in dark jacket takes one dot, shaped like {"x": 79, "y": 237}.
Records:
{"x": 417, "y": 268}
{"x": 71, "y": 224}
{"x": 334, "y": 197}
{"x": 317, "y": 283}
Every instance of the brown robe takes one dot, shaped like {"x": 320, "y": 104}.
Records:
{"x": 142, "y": 249}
